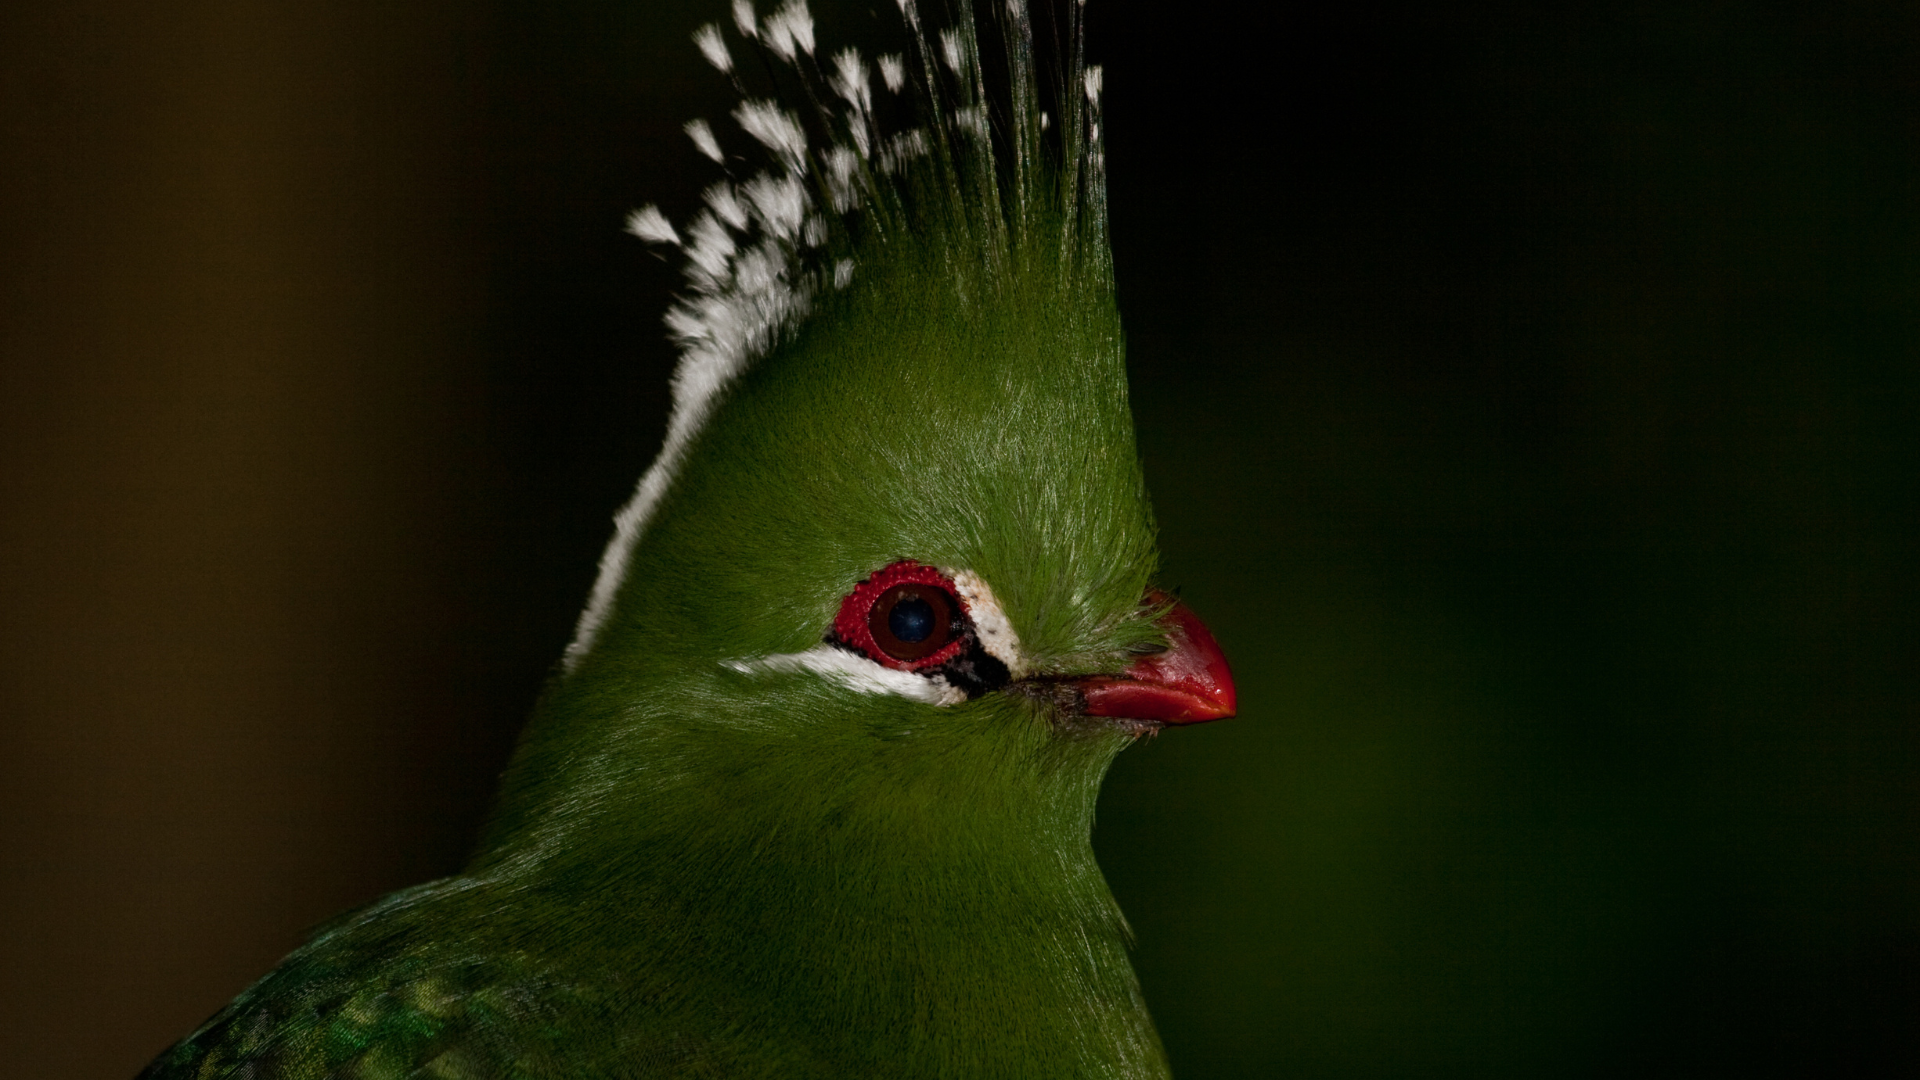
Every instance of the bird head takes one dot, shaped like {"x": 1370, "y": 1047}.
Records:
{"x": 811, "y": 792}
{"x": 892, "y": 575}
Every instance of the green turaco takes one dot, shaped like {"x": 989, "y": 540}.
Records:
{"x": 810, "y": 794}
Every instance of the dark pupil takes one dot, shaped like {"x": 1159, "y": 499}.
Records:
{"x": 911, "y": 620}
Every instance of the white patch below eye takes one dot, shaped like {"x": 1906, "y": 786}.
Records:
{"x": 856, "y": 672}
{"x": 989, "y": 621}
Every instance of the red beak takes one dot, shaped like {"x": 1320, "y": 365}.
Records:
{"x": 1188, "y": 684}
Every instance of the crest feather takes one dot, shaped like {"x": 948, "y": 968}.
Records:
{"x": 975, "y": 165}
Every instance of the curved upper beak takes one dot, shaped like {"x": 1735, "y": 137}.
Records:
{"x": 1187, "y": 684}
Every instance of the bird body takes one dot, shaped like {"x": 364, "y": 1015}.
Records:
{"x": 811, "y": 793}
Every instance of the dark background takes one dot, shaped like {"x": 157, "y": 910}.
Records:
{"x": 1527, "y": 395}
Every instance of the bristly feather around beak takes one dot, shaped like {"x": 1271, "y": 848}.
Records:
{"x": 1188, "y": 682}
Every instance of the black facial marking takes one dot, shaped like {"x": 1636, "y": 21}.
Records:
{"x": 975, "y": 671}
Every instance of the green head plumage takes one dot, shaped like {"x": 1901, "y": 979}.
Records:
{"x": 900, "y": 345}
{"x": 755, "y": 828}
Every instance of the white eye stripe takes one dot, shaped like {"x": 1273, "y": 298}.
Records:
{"x": 856, "y": 672}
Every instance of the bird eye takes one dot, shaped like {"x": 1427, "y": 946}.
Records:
{"x": 911, "y": 621}
{"x": 907, "y": 616}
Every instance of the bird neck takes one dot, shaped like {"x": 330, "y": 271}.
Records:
{"x": 902, "y": 894}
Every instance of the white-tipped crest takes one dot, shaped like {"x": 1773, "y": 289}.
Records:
{"x": 721, "y": 197}
{"x": 711, "y": 251}
{"x": 714, "y": 47}
{"x": 649, "y": 224}
{"x": 849, "y": 80}
{"x": 776, "y": 129}
{"x": 951, "y": 52}
{"x": 760, "y": 250}
{"x": 904, "y": 148}
{"x": 703, "y": 139}
{"x": 780, "y": 205}
{"x": 971, "y": 119}
{"x": 789, "y": 29}
{"x": 841, "y": 164}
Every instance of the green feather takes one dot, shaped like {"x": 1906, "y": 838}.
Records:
{"x": 703, "y": 867}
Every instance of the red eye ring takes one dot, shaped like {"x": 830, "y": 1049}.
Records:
{"x": 863, "y": 618}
